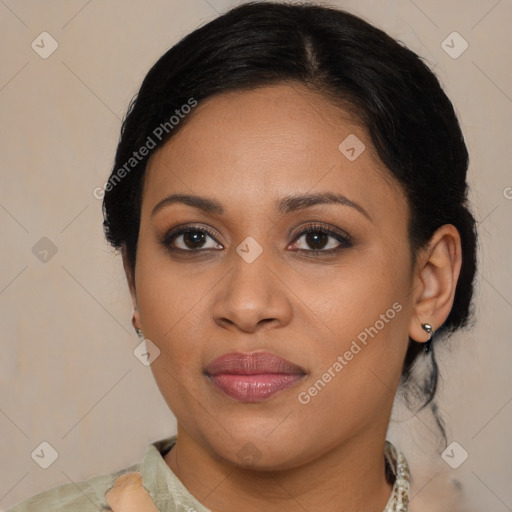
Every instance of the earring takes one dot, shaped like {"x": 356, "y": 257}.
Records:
{"x": 140, "y": 334}
{"x": 428, "y": 328}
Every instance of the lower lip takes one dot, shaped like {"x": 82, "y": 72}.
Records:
{"x": 253, "y": 388}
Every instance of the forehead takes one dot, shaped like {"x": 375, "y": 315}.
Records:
{"x": 252, "y": 147}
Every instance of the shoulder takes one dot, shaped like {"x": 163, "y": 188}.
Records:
{"x": 84, "y": 496}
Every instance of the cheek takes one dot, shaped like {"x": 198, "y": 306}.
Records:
{"x": 358, "y": 366}
{"x": 169, "y": 296}
{"x": 367, "y": 292}
{"x": 363, "y": 315}
{"x": 173, "y": 318}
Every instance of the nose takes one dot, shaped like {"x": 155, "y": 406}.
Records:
{"x": 252, "y": 296}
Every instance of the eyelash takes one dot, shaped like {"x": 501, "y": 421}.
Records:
{"x": 345, "y": 240}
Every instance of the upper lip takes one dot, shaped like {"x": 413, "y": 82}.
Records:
{"x": 252, "y": 364}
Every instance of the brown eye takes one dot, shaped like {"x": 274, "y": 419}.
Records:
{"x": 317, "y": 239}
{"x": 190, "y": 239}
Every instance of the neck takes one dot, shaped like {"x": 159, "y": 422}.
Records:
{"x": 349, "y": 477}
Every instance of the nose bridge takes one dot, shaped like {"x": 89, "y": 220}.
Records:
{"x": 252, "y": 292}
{"x": 251, "y": 275}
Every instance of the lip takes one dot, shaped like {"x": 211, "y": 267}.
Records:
{"x": 253, "y": 377}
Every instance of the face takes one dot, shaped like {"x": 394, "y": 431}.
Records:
{"x": 241, "y": 275}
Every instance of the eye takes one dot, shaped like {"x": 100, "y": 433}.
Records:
{"x": 190, "y": 238}
{"x": 320, "y": 240}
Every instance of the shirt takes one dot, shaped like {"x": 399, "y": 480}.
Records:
{"x": 151, "y": 486}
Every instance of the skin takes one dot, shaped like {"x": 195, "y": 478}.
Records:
{"x": 247, "y": 150}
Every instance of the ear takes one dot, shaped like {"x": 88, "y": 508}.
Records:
{"x": 130, "y": 277}
{"x": 436, "y": 276}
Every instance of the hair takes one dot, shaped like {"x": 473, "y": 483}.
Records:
{"x": 411, "y": 122}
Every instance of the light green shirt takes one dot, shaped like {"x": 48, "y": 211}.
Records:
{"x": 167, "y": 491}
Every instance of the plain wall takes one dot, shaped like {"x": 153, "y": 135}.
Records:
{"x": 67, "y": 372}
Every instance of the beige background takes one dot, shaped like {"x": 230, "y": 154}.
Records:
{"x": 68, "y": 375}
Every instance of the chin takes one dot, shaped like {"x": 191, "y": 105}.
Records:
{"x": 249, "y": 450}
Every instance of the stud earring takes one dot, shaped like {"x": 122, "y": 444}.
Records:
{"x": 429, "y": 329}
{"x": 140, "y": 334}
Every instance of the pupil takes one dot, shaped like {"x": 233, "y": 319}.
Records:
{"x": 316, "y": 240}
{"x": 193, "y": 237}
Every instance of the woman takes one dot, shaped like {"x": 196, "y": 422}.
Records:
{"x": 289, "y": 196}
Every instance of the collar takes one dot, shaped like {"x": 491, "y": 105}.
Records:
{"x": 397, "y": 464}
{"x": 169, "y": 494}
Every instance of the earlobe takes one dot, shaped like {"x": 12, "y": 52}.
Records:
{"x": 130, "y": 278}
{"x": 430, "y": 331}
{"x": 435, "y": 282}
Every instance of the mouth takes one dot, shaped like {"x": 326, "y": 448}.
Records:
{"x": 252, "y": 377}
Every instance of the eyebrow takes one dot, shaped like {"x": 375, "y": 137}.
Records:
{"x": 285, "y": 205}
